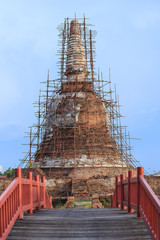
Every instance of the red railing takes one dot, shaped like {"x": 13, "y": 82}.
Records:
{"x": 135, "y": 193}
{"x": 21, "y": 195}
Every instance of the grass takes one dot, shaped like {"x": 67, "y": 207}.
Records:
{"x": 83, "y": 203}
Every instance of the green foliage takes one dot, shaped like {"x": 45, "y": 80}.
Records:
{"x": 88, "y": 206}
{"x": 106, "y": 202}
{"x": 59, "y": 203}
{"x": 108, "y": 199}
{"x": 83, "y": 203}
{"x": 10, "y": 172}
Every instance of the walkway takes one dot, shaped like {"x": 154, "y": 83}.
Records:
{"x": 80, "y": 224}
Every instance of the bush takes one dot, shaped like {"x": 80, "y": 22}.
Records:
{"x": 106, "y": 202}
{"x": 88, "y": 206}
{"x": 59, "y": 203}
{"x": 10, "y": 172}
{"x": 108, "y": 199}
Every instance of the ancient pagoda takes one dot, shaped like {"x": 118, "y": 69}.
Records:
{"x": 81, "y": 145}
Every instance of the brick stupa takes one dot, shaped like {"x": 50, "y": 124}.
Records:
{"x": 77, "y": 152}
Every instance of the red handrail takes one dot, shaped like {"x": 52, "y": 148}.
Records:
{"x": 135, "y": 193}
{"x": 21, "y": 195}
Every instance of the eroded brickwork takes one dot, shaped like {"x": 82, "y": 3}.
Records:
{"x": 154, "y": 182}
{"x": 82, "y": 183}
{"x": 70, "y": 202}
{"x": 4, "y": 183}
{"x": 96, "y": 202}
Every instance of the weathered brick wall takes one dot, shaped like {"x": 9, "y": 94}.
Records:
{"x": 96, "y": 202}
{"x": 91, "y": 136}
{"x": 154, "y": 182}
{"x": 4, "y": 183}
{"x": 82, "y": 183}
{"x": 59, "y": 187}
{"x": 70, "y": 202}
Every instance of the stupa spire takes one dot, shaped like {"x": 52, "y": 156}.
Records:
{"x": 76, "y": 67}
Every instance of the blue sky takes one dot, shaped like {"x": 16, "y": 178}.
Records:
{"x": 128, "y": 41}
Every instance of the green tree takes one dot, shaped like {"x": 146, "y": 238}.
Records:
{"x": 10, "y": 172}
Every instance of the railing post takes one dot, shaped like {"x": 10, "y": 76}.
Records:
{"x": 44, "y": 192}
{"x": 117, "y": 180}
{"x": 158, "y": 226}
{"x": 29, "y": 176}
{"x": 140, "y": 172}
{"x": 38, "y": 192}
{"x": 50, "y": 199}
{"x": 18, "y": 174}
{"x": 1, "y": 223}
{"x": 130, "y": 175}
{"x": 122, "y": 192}
{"x": 111, "y": 197}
